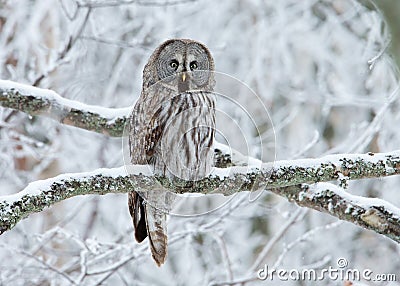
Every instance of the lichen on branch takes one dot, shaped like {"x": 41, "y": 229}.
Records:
{"x": 282, "y": 177}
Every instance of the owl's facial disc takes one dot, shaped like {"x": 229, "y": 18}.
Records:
{"x": 184, "y": 65}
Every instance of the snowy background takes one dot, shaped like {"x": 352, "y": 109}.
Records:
{"x": 321, "y": 70}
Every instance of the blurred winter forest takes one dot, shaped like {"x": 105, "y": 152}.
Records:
{"x": 323, "y": 71}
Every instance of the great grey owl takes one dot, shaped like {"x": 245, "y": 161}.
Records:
{"x": 171, "y": 129}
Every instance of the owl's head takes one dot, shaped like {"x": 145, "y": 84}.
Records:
{"x": 184, "y": 63}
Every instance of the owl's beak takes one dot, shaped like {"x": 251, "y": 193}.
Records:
{"x": 183, "y": 82}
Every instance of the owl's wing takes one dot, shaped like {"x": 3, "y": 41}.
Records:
{"x": 155, "y": 129}
{"x": 148, "y": 218}
{"x": 136, "y": 150}
{"x": 154, "y": 209}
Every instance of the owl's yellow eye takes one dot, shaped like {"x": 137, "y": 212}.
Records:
{"x": 174, "y": 64}
{"x": 193, "y": 65}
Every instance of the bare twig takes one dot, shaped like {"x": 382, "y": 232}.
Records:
{"x": 277, "y": 236}
{"x": 65, "y": 50}
{"x": 225, "y": 256}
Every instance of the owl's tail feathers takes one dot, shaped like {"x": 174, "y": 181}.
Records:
{"x": 149, "y": 221}
{"x": 156, "y": 221}
{"x": 137, "y": 211}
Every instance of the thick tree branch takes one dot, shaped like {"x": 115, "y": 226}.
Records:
{"x": 38, "y": 101}
{"x": 373, "y": 214}
{"x": 285, "y": 178}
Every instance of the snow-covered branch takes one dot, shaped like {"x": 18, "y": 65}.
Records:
{"x": 289, "y": 179}
{"x": 282, "y": 177}
{"x": 370, "y": 213}
{"x": 38, "y": 101}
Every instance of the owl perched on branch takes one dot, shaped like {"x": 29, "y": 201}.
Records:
{"x": 171, "y": 129}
